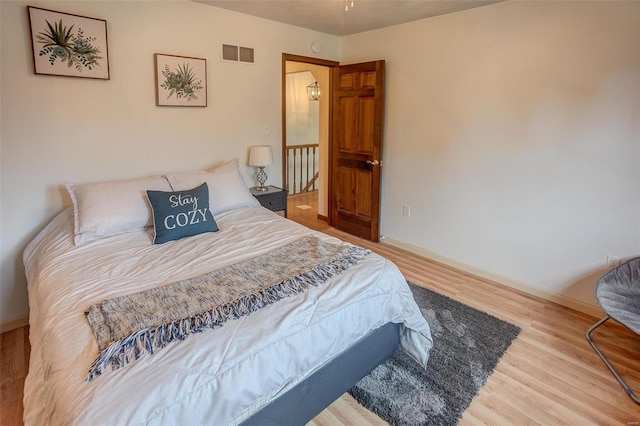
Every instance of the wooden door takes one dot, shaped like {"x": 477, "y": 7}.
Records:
{"x": 356, "y": 148}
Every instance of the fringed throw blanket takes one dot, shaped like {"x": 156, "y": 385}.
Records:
{"x": 127, "y": 327}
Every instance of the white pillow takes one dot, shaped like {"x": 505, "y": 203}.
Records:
{"x": 110, "y": 208}
{"x": 227, "y": 189}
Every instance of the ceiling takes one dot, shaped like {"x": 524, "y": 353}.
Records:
{"x": 329, "y": 16}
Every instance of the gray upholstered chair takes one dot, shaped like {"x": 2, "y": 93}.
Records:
{"x": 618, "y": 293}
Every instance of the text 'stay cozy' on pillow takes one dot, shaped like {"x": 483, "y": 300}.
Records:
{"x": 179, "y": 214}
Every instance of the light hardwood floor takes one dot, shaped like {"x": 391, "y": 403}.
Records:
{"x": 549, "y": 376}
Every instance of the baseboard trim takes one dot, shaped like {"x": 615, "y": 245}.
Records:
{"x": 13, "y": 324}
{"x": 323, "y": 218}
{"x": 560, "y": 299}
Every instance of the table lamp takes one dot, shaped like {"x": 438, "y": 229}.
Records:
{"x": 260, "y": 156}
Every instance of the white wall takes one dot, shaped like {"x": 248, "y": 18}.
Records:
{"x": 57, "y": 130}
{"x": 513, "y": 133}
{"x": 303, "y": 115}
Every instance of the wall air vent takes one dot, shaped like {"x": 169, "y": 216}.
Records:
{"x": 231, "y": 53}
{"x": 246, "y": 54}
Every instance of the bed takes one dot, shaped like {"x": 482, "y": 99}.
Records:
{"x": 281, "y": 364}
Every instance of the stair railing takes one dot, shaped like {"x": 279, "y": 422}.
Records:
{"x": 302, "y": 168}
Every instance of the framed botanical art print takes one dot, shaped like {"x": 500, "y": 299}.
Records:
{"x": 180, "y": 81}
{"x": 68, "y": 45}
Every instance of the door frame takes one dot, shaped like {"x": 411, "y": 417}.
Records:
{"x": 313, "y": 61}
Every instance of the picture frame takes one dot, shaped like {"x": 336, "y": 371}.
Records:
{"x": 180, "y": 80}
{"x": 68, "y": 45}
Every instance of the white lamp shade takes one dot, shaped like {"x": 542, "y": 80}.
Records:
{"x": 260, "y": 155}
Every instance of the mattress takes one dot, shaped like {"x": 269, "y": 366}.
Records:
{"x": 210, "y": 377}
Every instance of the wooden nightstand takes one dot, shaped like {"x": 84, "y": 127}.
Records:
{"x": 275, "y": 199}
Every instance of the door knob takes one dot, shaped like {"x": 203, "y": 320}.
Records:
{"x": 373, "y": 163}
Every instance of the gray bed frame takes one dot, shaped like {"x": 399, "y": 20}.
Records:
{"x": 308, "y": 398}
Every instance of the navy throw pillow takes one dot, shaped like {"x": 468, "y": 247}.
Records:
{"x": 180, "y": 214}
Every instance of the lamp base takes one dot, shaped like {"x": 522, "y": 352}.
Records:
{"x": 260, "y": 188}
{"x": 261, "y": 177}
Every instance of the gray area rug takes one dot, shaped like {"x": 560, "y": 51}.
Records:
{"x": 467, "y": 345}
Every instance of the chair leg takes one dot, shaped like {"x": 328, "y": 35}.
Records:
{"x": 606, "y": 361}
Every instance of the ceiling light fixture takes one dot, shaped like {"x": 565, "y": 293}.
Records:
{"x": 346, "y": 5}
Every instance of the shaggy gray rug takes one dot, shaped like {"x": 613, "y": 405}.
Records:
{"x": 467, "y": 345}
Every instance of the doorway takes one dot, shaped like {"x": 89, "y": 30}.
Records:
{"x": 306, "y": 124}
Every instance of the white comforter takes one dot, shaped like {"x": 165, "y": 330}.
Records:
{"x": 212, "y": 376}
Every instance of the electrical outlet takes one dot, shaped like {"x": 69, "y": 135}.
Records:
{"x": 406, "y": 210}
{"x": 612, "y": 261}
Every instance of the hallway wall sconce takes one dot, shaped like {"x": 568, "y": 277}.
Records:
{"x": 313, "y": 91}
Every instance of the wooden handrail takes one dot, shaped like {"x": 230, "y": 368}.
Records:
{"x": 303, "y": 166}
{"x": 311, "y": 184}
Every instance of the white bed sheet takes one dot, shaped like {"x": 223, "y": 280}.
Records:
{"x": 211, "y": 376}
